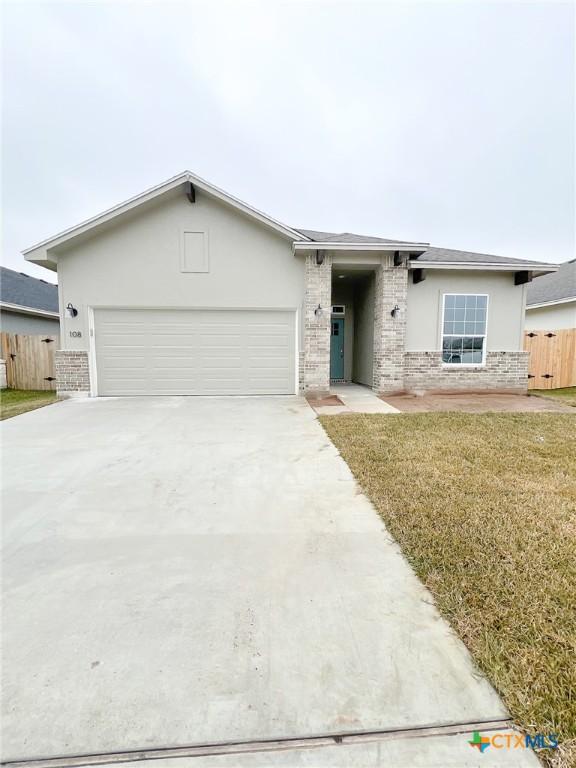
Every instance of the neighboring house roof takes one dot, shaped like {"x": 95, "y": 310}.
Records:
{"x": 45, "y": 252}
{"x": 555, "y": 288}
{"x": 21, "y": 292}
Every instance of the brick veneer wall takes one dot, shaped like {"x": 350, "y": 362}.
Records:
{"x": 315, "y": 375}
{"x": 423, "y": 371}
{"x": 390, "y": 288}
{"x": 72, "y": 371}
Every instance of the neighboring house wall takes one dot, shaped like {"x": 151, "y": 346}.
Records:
{"x": 552, "y": 318}
{"x": 16, "y": 322}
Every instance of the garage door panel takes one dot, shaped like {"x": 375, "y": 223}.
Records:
{"x": 208, "y": 352}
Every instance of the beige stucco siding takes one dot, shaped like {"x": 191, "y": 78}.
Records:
{"x": 363, "y": 369}
{"x": 553, "y": 318}
{"x": 505, "y": 307}
{"x": 137, "y": 263}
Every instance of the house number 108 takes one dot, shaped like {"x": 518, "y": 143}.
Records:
{"x": 76, "y": 334}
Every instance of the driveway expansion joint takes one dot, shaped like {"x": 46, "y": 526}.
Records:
{"x": 264, "y": 745}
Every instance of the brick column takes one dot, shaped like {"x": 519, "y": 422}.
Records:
{"x": 72, "y": 373}
{"x": 391, "y": 288}
{"x": 317, "y": 291}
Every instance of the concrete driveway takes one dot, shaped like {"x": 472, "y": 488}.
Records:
{"x": 195, "y": 570}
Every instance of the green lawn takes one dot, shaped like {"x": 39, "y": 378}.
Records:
{"x": 13, "y": 402}
{"x": 565, "y": 395}
{"x": 484, "y": 508}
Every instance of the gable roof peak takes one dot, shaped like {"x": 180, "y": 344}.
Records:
{"x": 40, "y": 252}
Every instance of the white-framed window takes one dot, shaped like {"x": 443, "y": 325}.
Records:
{"x": 464, "y": 323}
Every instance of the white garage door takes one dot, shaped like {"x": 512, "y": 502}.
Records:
{"x": 194, "y": 352}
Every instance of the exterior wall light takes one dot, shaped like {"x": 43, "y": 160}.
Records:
{"x": 70, "y": 310}
{"x": 395, "y": 310}
{"x": 318, "y": 311}
{"x": 319, "y": 258}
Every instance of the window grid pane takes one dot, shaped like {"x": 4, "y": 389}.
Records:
{"x": 464, "y": 329}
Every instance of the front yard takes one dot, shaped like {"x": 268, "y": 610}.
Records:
{"x": 484, "y": 508}
{"x": 13, "y": 402}
{"x": 566, "y": 395}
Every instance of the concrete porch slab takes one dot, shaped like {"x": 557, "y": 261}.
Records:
{"x": 360, "y": 399}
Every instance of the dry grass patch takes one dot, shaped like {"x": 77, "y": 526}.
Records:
{"x": 13, "y": 402}
{"x": 484, "y": 508}
{"x": 566, "y": 395}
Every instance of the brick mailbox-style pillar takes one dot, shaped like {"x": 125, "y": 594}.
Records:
{"x": 72, "y": 372}
{"x": 390, "y": 290}
{"x": 318, "y": 293}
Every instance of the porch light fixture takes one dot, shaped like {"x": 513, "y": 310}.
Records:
{"x": 319, "y": 257}
{"x": 318, "y": 311}
{"x": 70, "y": 310}
{"x": 395, "y": 310}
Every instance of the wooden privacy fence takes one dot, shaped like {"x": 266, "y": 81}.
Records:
{"x": 552, "y": 362}
{"x": 29, "y": 360}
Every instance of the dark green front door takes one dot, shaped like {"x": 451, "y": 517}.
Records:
{"x": 337, "y": 348}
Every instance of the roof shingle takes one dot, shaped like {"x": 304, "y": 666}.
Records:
{"x": 554, "y": 287}
{"x": 430, "y": 255}
{"x": 344, "y": 237}
{"x": 450, "y": 255}
{"x": 27, "y": 291}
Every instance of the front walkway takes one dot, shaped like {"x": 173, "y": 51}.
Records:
{"x": 353, "y": 398}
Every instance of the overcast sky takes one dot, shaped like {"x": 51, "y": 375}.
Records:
{"x": 449, "y": 122}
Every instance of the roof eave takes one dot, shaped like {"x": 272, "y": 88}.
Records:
{"x": 342, "y": 246}
{"x": 42, "y": 258}
{"x": 540, "y": 269}
{"x": 551, "y": 303}
{"x": 23, "y": 310}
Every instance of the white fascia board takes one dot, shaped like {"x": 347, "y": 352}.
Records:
{"x": 152, "y": 193}
{"x": 312, "y": 246}
{"x": 552, "y": 303}
{"x": 521, "y": 267}
{"x": 4, "y": 305}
